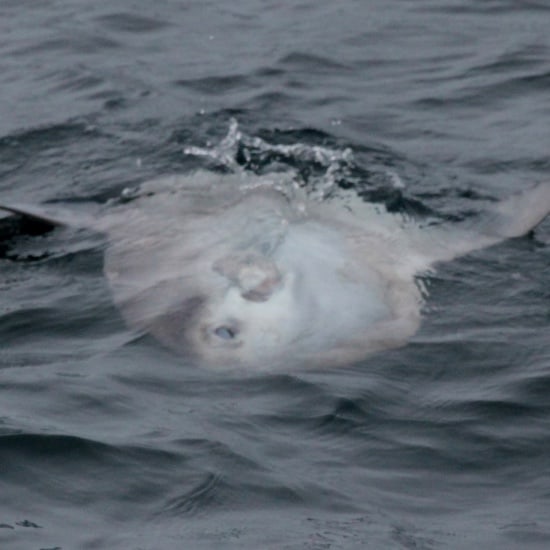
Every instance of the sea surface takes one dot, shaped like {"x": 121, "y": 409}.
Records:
{"x": 110, "y": 442}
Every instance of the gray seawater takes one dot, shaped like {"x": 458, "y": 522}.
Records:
{"x": 428, "y": 105}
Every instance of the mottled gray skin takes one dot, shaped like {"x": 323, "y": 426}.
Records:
{"x": 248, "y": 271}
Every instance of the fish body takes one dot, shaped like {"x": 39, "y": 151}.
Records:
{"x": 251, "y": 271}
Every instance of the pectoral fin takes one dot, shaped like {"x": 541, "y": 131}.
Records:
{"x": 512, "y": 217}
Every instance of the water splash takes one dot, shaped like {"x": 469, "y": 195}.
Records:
{"x": 225, "y": 152}
{"x": 239, "y": 152}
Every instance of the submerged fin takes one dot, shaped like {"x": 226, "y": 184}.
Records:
{"x": 50, "y": 215}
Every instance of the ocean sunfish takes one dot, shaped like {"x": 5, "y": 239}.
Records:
{"x": 252, "y": 271}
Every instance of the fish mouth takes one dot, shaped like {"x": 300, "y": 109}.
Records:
{"x": 256, "y": 276}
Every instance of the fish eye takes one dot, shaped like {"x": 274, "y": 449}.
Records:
{"x": 225, "y": 332}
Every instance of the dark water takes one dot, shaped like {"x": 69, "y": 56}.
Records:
{"x": 111, "y": 443}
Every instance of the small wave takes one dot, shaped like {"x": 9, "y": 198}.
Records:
{"x": 201, "y": 494}
{"x": 131, "y": 23}
{"x": 51, "y": 134}
{"x": 312, "y": 63}
{"x": 490, "y": 7}
{"x": 212, "y": 84}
